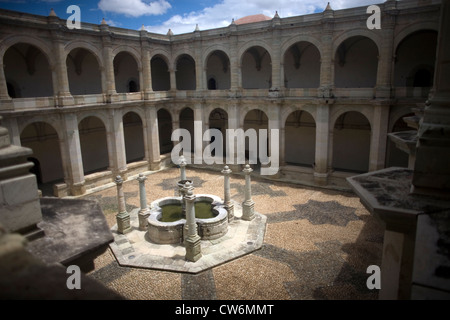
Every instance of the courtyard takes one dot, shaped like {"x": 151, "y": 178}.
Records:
{"x": 318, "y": 245}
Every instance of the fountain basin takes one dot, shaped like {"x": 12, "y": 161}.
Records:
{"x": 166, "y": 223}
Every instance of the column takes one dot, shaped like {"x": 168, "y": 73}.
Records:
{"x": 111, "y": 94}
{"x": 152, "y": 150}
{"x": 146, "y": 72}
{"x": 182, "y": 168}
{"x": 198, "y": 134}
{"x": 276, "y": 55}
{"x": 71, "y": 158}
{"x": 273, "y": 145}
{"x": 234, "y": 61}
{"x": 378, "y": 139}
{"x": 326, "y": 60}
{"x": 322, "y": 144}
{"x": 385, "y": 61}
{"x": 116, "y": 141}
{"x": 233, "y": 124}
{"x": 227, "y": 195}
{"x": 5, "y": 99}
{"x": 144, "y": 211}
{"x": 173, "y": 79}
{"x": 248, "y": 204}
{"x": 62, "y": 91}
{"x": 434, "y": 131}
{"x": 192, "y": 242}
{"x": 122, "y": 217}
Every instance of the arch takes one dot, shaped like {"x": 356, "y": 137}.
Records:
{"x": 81, "y": 44}
{"x": 130, "y": 50}
{"x": 255, "y": 119}
{"x": 301, "y": 38}
{"x": 356, "y": 63}
{"x": 126, "y": 72}
{"x": 286, "y": 111}
{"x": 185, "y": 73}
{"x": 83, "y": 72}
{"x": 218, "y": 70}
{"x": 301, "y": 62}
{"x": 93, "y": 144}
{"x": 413, "y": 28}
{"x": 377, "y": 40}
{"x": 254, "y": 43}
{"x": 27, "y": 71}
{"x": 411, "y": 59}
{"x": 133, "y": 132}
{"x": 351, "y": 136}
{"x": 165, "y": 130}
{"x": 8, "y": 42}
{"x": 160, "y": 73}
{"x": 43, "y": 139}
{"x": 300, "y": 136}
{"x": 256, "y": 68}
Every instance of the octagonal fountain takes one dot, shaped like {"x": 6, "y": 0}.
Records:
{"x": 166, "y": 222}
{"x": 186, "y": 232}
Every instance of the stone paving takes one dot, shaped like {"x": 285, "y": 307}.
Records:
{"x": 318, "y": 244}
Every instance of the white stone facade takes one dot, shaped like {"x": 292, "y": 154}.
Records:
{"x": 102, "y": 101}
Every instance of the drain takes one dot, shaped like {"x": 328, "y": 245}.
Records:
{"x": 250, "y": 243}
{"x": 131, "y": 257}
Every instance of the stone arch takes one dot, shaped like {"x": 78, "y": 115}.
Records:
{"x": 285, "y": 112}
{"x": 46, "y": 49}
{"x": 160, "y": 69}
{"x": 300, "y": 138}
{"x": 411, "y": 59}
{"x": 43, "y": 138}
{"x": 353, "y": 33}
{"x": 127, "y": 69}
{"x": 247, "y": 109}
{"x": 413, "y": 28}
{"x": 165, "y": 119}
{"x": 217, "y": 65}
{"x": 185, "y": 72}
{"x": 356, "y": 62}
{"x": 93, "y": 134}
{"x": 133, "y": 131}
{"x": 84, "y": 69}
{"x": 256, "y": 65}
{"x": 351, "y": 137}
{"x": 76, "y": 44}
{"x": 301, "y": 38}
{"x": 28, "y": 71}
{"x": 132, "y": 51}
{"x": 301, "y": 62}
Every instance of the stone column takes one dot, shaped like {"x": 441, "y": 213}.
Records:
{"x": 378, "y": 137}
{"x": 248, "y": 205}
{"x": 192, "y": 242}
{"x": 146, "y": 73}
{"x": 62, "y": 91}
{"x": 144, "y": 212}
{"x": 5, "y": 99}
{"x": 152, "y": 134}
{"x": 173, "y": 79}
{"x": 434, "y": 131}
{"x": 326, "y": 60}
{"x": 182, "y": 168}
{"x": 322, "y": 143}
{"x": 72, "y": 155}
{"x": 227, "y": 195}
{"x": 118, "y": 160}
{"x": 123, "y": 217}
{"x": 198, "y": 134}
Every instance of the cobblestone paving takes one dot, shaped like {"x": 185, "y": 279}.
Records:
{"x": 318, "y": 245}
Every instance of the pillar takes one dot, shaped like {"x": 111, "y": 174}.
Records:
{"x": 116, "y": 141}
{"x": 173, "y": 79}
{"x": 152, "y": 150}
{"x": 5, "y": 99}
{"x": 248, "y": 204}
{"x": 62, "y": 91}
{"x": 227, "y": 195}
{"x": 182, "y": 168}
{"x": 322, "y": 144}
{"x": 378, "y": 139}
{"x": 146, "y": 72}
{"x": 326, "y": 59}
{"x": 198, "y": 134}
{"x": 192, "y": 242}
{"x": 144, "y": 212}
{"x": 122, "y": 217}
{"x": 71, "y": 155}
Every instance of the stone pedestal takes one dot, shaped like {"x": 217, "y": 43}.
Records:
{"x": 227, "y": 196}
{"x": 123, "y": 217}
{"x": 19, "y": 199}
{"x": 248, "y": 211}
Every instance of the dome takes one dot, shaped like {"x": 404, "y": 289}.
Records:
{"x": 253, "y": 18}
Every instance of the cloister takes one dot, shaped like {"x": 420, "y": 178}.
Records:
{"x": 101, "y": 101}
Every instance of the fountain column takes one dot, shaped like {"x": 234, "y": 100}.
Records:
{"x": 144, "y": 212}
{"x": 192, "y": 242}
{"x": 248, "y": 205}
{"x": 227, "y": 195}
{"x": 123, "y": 217}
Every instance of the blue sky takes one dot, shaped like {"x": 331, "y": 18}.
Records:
{"x": 178, "y": 15}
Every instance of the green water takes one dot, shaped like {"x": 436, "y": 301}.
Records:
{"x": 172, "y": 212}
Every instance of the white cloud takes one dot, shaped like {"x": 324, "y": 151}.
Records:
{"x": 221, "y": 14}
{"x": 135, "y": 8}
